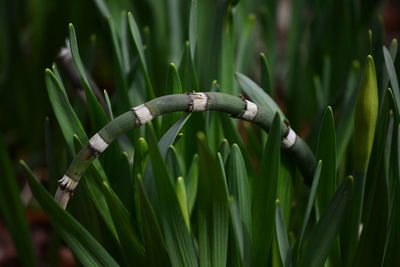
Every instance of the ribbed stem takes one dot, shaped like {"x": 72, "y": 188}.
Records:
{"x": 189, "y": 102}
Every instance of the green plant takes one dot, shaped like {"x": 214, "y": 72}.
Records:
{"x": 193, "y": 189}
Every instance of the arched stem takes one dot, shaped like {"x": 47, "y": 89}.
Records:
{"x": 189, "y": 102}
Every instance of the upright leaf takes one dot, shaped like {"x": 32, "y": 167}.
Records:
{"x": 365, "y": 116}
{"x": 213, "y": 205}
{"x": 131, "y": 246}
{"x": 153, "y": 240}
{"x": 193, "y": 28}
{"x": 227, "y": 62}
{"x": 191, "y": 182}
{"x": 122, "y": 69}
{"x": 385, "y": 76}
{"x": 364, "y": 132}
{"x": 392, "y": 77}
{"x": 326, "y": 151}
{"x": 345, "y": 125}
{"x": 139, "y": 47}
{"x": 266, "y": 82}
{"x": 245, "y": 45}
{"x": 324, "y": 234}
{"x": 166, "y": 140}
{"x": 96, "y": 113}
{"x": 187, "y": 70}
{"x": 177, "y": 237}
{"x": 282, "y": 236}
{"x": 66, "y": 116}
{"x": 174, "y": 86}
{"x": 12, "y": 210}
{"x": 306, "y": 218}
{"x": 174, "y": 165}
{"x": 238, "y": 185}
{"x": 238, "y": 244}
{"x": 391, "y": 255}
{"x": 182, "y": 199}
{"x": 264, "y": 194}
{"x": 87, "y": 250}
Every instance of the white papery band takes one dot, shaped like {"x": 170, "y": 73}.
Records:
{"x": 97, "y": 143}
{"x": 199, "y": 101}
{"x": 67, "y": 183}
{"x": 65, "y": 51}
{"x": 143, "y": 114}
{"x": 251, "y": 111}
{"x": 290, "y": 139}
{"x": 65, "y": 189}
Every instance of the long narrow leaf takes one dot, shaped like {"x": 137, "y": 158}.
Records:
{"x": 12, "y": 210}
{"x": 239, "y": 185}
{"x": 324, "y": 235}
{"x": 132, "y": 247}
{"x": 191, "y": 182}
{"x": 326, "y": 151}
{"x": 66, "y": 116}
{"x": 96, "y": 113}
{"x": 392, "y": 77}
{"x": 166, "y": 140}
{"x": 177, "y": 237}
{"x": 88, "y": 251}
{"x": 139, "y": 47}
{"x": 310, "y": 203}
{"x": 213, "y": 202}
{"x": 152, "y": 235}
{"x": 282, "y": 236}
{"x": 264, "y": 194}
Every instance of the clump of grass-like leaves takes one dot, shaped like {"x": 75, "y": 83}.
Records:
{"x": 206, "y": 190}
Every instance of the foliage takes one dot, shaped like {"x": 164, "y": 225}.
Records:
{"x": 203, "y": 189}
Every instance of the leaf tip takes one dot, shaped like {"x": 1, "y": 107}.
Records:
{"x": 370, "y": 59}
{"x": 235, "y": 147}
{"x": 238, "y": 75}
{"x": 201, "y": 136}
{"x": 21, "y": 162}
{"x": 179, "y": 180}
{"x": 48, "y": 71}
{"x": 350, "y": 178}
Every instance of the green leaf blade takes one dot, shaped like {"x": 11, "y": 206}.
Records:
{"x": 324, "y": 235}
{"x": 97, "y": 114}
{"x": 264, "y": 195}
{"x": 282, "y": 236}
{"x": 213, "y": 204}
{"x": 88, "y": 251}
{"x": 326, "y": 151}
{"x": 177, "y": 236}
{"x": 12, "y": 210}
{"x": 66, "y": 116}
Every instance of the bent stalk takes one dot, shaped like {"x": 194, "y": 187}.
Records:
{"x": 189, "y": 102}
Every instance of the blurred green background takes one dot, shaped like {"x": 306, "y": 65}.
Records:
{"x": 311, "y": 46}
{"x": 291, "y": 33}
